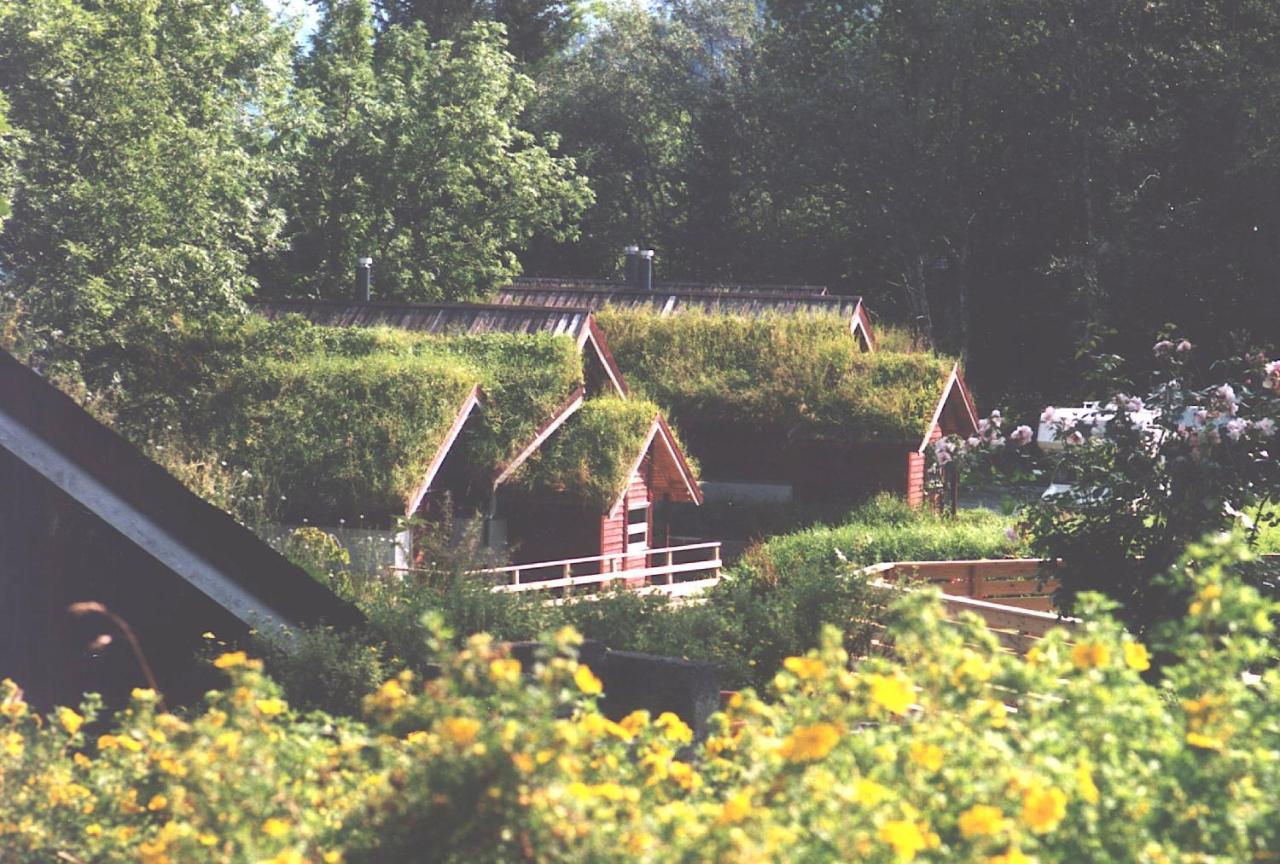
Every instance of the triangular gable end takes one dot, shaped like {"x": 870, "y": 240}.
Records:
{"x": 860, "y": 328}
{"x": 955, "y": 412}
{"x": 663, "y": 442}
{"x": 567, "y": 410}
{"x": 473, "y": 400}
{"x": 593, "y": 337}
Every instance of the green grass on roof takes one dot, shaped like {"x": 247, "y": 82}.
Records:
{"x": 799, "y": 373}
{"x": 591, "y": 456}
{"x": 345, "y": 421}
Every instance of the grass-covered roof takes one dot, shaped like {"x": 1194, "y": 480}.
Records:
{"x": 797, "y": 373}
{"x": 591, "y": 456}
{"x": 345, "y": 421}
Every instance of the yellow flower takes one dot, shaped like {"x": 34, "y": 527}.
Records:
{"x": 810, "y": 743}
{"x": 504, "y": 670}
{"x": 1204, "y": 742}
{"x": 635, "y": 721}
{"x": 1210, "y": 592}
{"x": 94, "y": 830}
{"x": 157, "y": 802}
{"x": 14, "y": 744}
{"x": 1043, "y": 808}
{"x": 927, "y": 756}
{"x": 1084, "y": 779}
{"x": 459, "y": 731}
{"x": 230, "y": 659}
{"x": 523, "y": 762}
{"x": 587, "y": 681}
{"x": 805, "y": 668}
{"x": 869, "y": 793}
{"x": 673, "y": 728}
{"x": 70, "y": 720}
{"x": 207, "y": 839}
{"x": 735, "y": 809}
{"x": 275, "y": 827}
{"x": 1090, "y": 654}
{"x": 892, "y": 692}
{"x": 981, "y": 820}
{"x": 905, "y": 837}
{"x": 271, "y": 707}
{"x": 1013, "y": 856}
{"x": 1136, "y": 656}
{"x": 143, "y": 694}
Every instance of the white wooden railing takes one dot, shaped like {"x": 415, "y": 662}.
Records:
{"x": 673, "y": 569}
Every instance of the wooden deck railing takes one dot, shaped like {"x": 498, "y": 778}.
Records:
{"x": 672, "y": 569}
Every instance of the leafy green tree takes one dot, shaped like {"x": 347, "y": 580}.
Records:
{"x": 149, "y": 134}
{"x": 418, "y": 159}
{"x": 7, "y": 157}
{"x": 536, "y": 29}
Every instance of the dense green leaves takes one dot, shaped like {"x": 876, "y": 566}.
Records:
{"x": 417, "y": 157}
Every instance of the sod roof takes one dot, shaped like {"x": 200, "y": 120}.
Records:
{"x": 342, "y": 422}
{"x": 798, "y": 374}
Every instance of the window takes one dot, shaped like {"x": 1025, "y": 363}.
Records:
{"x": 637, "y": 526}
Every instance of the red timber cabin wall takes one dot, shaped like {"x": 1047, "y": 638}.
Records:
{"x": 618, "y": 531}
{"x": 914, "y": 485}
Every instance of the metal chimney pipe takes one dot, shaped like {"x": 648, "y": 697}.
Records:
{"x": 646, "y": 269}
{"x": 364, "y": 279}
{"x": 631, "y": 269}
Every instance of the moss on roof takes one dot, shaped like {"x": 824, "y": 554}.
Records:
{"x": 798, "y": 373}
{"x": 345, "y": 421}
{"x": 591, "y": 456}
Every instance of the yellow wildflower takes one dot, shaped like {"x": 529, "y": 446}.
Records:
{"x": 1013, "y": 856}
{"x": 1204, "y": 742}
{"x": 892, "y": 692}
{"x": 14, "y": 744}
{"x": 635, "y": 721}
{"x": 684, "y": 776}
{"x": 275, "y": 827}
{"x": 810, "y": 743}
{"x": 869, "y": 793}
{"x": 927, "y": 756}
{"x": 143, "y": 694}
{"x": 673, "y": 728}
{"x": 504, "y": 670}
{"x": 1210, "y": 592}
{"x": 94, "y": 830}
{"x": 157, "y": 802}
{"x": 523, "y": 762}
{"x": 70, "y": 720}
{"x": 207, "y": 839}
{"x": 231, "y": 659}
{"x": 735, "y": 809}
{"x": 805, "y": 668}
{"x": 981, "y": 820}
{"x": 1084, "y": 780}
{"x": 1090, "y": 654}
{"x": 587, "y": 681}
{"x": 271, "y": 707}
{"x": 1136, "y": 656}
{"x": 1043, "y": 808}
{"x": 905, "y": 837}
{"x": 459, "y": 731}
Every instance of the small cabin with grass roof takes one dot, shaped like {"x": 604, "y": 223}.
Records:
{"x": 356, "y": 429}
{"x": 784, "y": 408}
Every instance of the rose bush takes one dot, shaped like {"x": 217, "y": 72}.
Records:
{"x": 945, "y": 749}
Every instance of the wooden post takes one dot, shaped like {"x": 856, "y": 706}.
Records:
{"x": 668, "y": 574}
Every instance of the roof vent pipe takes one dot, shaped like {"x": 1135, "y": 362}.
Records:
{"x": 645, "y": 264}
{"x": 364, "y": 279}
{"x": 631, "y": 269}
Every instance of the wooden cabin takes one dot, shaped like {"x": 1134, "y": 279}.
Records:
{"x": 85, "y": 517}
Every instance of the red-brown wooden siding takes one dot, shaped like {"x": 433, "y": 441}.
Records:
{"x": 914, "y": 479}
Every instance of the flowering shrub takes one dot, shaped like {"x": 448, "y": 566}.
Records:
{"x": 948, "y": 750}
{"x": 1148, "y": 475}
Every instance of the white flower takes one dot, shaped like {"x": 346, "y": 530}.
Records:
{"x": 1021, "y": 436}
{"x": 1226, "y": 398}
{"x": 245, "y": 474}
{"x": 1049, "y": 415}
{"x": 983, "y": 426}
{"x": 1183, "y": 347}
{"x": 1235, "y": 428}
{"x": 974, "y": 441}
{"x": 943, "y": 457}
{"x": 1164, "y": 346}
{"x": 1075, "y": 438}
{"x": 1266, "y": 427}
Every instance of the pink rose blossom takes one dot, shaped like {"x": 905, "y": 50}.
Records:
{"x": 1161, "y": 348}
{"x": 1183, "y": 347}
{"x": 1021, "y": 436}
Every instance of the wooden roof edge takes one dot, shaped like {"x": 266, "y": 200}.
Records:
{"x": 955, "y": 380}
{"x": 595, "y": 335}
{"x": 862, "y": 320}
{"x": 141, "y": 501}
{"x": 570, "y": 407}
{"x": 659, "y": 290}
{"x": 469, "y": 403}
{"x": 659, "y": 428}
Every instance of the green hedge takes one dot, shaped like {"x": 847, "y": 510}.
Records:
{"x": 796, "y": 373}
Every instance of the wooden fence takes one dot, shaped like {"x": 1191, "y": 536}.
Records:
{"x": 678, "y": 570}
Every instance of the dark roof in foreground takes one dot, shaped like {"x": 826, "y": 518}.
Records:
{"x": 48, "y": 431}
{"x": 436, "y": 318}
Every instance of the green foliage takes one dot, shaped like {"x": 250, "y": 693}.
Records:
{"x": 802, "y": 374}
{"x": 886, "y": 529}
{"x": 148, "y": 155}
{"x": 535, "y": 29}
{"x": 417, "y": 156}
{"x": 8, "y": 153}
{"x": 591, "y": 456}
{"x": 944, "y": 748}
